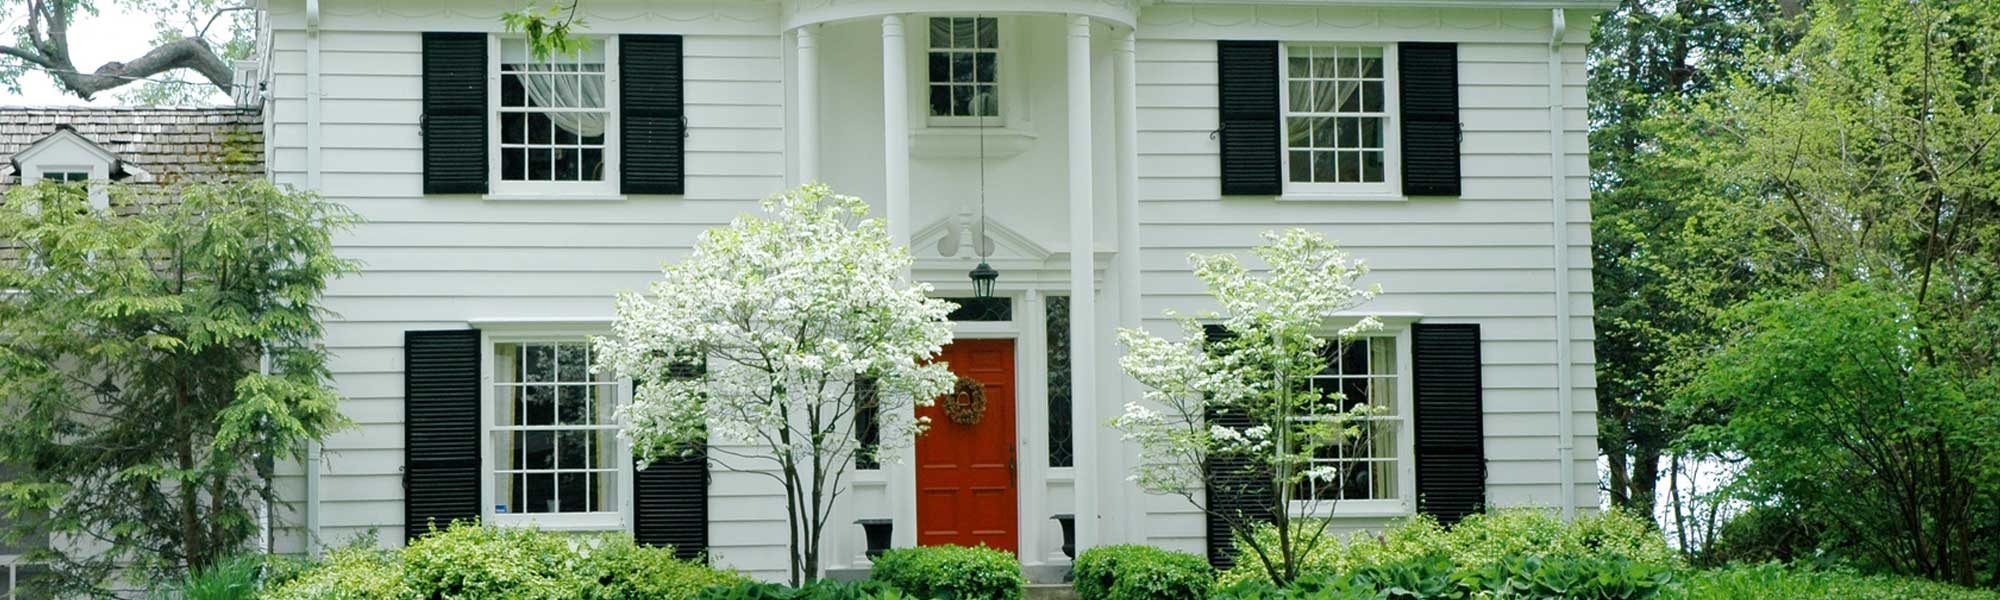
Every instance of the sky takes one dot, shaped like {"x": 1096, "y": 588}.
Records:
{"x": 116, "y": 33}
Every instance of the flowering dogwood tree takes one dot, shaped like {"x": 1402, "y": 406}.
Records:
{"x": 782, "y": 316}
{"x": 1230, "y": 422}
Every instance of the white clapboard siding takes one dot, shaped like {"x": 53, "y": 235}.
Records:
{"x": 1483, "y": 257}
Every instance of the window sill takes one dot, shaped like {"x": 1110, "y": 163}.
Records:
{"x": 1342, "y": 197}
{"x": 957, "y": 141}
{"x": 603, "y": 521}
{"x": 530, "y": 197}
{"x": 1356, "y": 509}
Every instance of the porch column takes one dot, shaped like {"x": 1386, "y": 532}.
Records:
{"x": 1083, "y": 293}
{"x": 1126, "y": 66}
{"x": 808, "y": 81}
{"x": 896, "y": 129}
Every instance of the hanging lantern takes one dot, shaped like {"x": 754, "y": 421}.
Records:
{"x": 982, "y": 280}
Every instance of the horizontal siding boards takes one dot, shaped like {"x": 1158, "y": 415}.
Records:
{"x": 441, "y": 475}
{"x": 1247, "y": 72}
{"x": 454, "y": 118}
{"x": 1450, "y": 440}
{"x": 652, "y": 117}
{"x": 1428, "y": 72}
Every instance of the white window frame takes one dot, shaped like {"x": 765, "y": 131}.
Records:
{"x": 618, "y": 520}
{"x": 1392, "y": 156}
{"x": 1406, "y": 465}
{"x": 67, "y": 173}
{"x": 503, "y": 189}
{"x": 1001, "y": 73}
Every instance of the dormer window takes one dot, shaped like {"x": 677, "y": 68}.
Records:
{"x": 65, "y": 176}
{"x": 65, "y": 156}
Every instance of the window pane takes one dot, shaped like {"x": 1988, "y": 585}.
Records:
{"x": 511, "y": 92}
{"x": 593, "y": 164}
{"x": 961, "y": 67}
{"x": 572, "y": 362}
{"x": 538, "y": 449}
{"x": 573, "y": 491}
{"x": 1301, "y": 96}
{"x": 565, "y": 136}
{"x": 1298, "y": 132}
{"x": 1371, "y": 96}
{"x": 940, "y": 33}
{"x": 539, "y": 405}
{"x": 961, "y": 32}
{"x": 1350, "y": 166}
{"x": 513, "y": 128}
{"x": 986, "y": 65}
{"x": 1350, "y": 62}
{"x": 538, "y": 363}
{"x": 1371, "y": 166}
{"x": 989, "y": 32}
{"x": 940, "y": 67}
{"x": 1350, "y": 132}
{"x": 940, "y": 100}
{"x": 986, "y": 100}
{"x": 513, "y": 50}
{"x": 1371, "y": 132}
{"x": 1323, "y": 97}
{"x": 1323, "y": 132}
{"x": 1323, "y": 63}
{"x": 1301, "y": 166}
{"x": 513, "y": 164}
{"x": 573, "y": 449}
{"x": 539, "y": 493}
{"x": 573, "y": 405}
{"x": 540, "y": 167}
{"x": 1350, "y": 96}
{"x": 961, "y": 100}
{"x": 1371, "y": 62}
{"x": 1298, "y": 65}
{"x": 1323, "y": 166}
{"x": 540, "y": 129}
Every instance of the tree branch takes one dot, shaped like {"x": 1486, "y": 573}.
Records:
{"x": 48, "y": 48}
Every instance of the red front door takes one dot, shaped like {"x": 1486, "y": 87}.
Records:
{"x": 965, "y": 473}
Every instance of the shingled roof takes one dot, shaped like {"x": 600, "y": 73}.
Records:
{"x": 169, "y": 145}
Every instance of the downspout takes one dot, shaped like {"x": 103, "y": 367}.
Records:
{"x": 312, "y": 182}
{"x": 1559, "y": 187}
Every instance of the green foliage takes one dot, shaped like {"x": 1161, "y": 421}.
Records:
{"x": 952, "y": 572}
{"x": 1485, "y": 539}
{"x": 1777, "y": 581}
{"x": 358, "y": 572}
{"x": 1133, "y": 572}
{"x": 1761, "y": 534}
{"x": 1436, "y": 578}
{"x": 818, "y": 590}
{"x": 472, "y": 562}
{"x": 238, "y": 578}
{"x": 616, "y": 568}
{"x": 551, "y": 32}
{"x": 138, "y": 414}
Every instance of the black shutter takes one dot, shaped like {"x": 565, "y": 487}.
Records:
{"x": 1451, "y": 450}
{"x": 440, "y": 429}
{"x": 1429, "y": 75}
{"x": 670, "y": 506}
{"x": 652, "y": 124}
{"x": 1247, "y": 77}
{"x": 1246, "y": 486}
{"x": 454, "y": 119}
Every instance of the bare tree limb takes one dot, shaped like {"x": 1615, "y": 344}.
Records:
{"x": 48, "y": 48}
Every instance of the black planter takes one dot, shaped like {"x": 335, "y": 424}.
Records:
{"x": 1068, "y": 522}
{"x": 878, "y": 531}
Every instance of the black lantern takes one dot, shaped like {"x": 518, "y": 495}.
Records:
{"x": 982, "y": 280}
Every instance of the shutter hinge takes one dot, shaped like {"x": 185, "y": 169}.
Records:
{"x": 684, "y": 124}
{"x": 1217, "y": 132}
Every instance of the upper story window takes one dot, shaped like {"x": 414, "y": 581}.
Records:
{"x": 556, "y": 131}
{"x": 1338, "y": 133}
{"x": 65, "y": 176}
{"x": 1367, "y": 374}
{"x": 964, "y": 61}
{"x": 556, "y": 457}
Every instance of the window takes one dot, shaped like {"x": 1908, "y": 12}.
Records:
{"x": 964, "y": 62}
{"x": 1338, "y": 133}
{"x": 1062, "y": 449}
{"x": 555, "y": 448}
{"x": 554, "y": 120}
{"x": 1365, "y": 467}
{"x": 65, "y": 176}
{"x": 867, "y": 424}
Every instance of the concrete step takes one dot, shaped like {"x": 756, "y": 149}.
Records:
{"x": 1050, "y": 591}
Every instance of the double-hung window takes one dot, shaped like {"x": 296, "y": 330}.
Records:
{"x": 1340, "y": 133}
{"x": 1365, "y": 390}
{"x": 556, "y": 131}
{"x": 964, "y": 67}
{"x": 556, "y": 458}
{"x": 65, "y": 176}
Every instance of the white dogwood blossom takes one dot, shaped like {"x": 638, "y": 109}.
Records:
{"x": 1225, "y": 401}
{"x": 761, "y": 339}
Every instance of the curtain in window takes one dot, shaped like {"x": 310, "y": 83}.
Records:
{"x": 552, "y": 87}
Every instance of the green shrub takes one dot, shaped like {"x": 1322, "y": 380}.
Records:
{"x": 1586, "y": 578}
{"x": 1135, "y": 572}
{"x": 351, "y": 573}
{"x": 1476, "y": 541}
{"x": 472, "y": 562}
{"x": 615, "y": 568}
{"x": 237, "y": 578}
{"x": 952, "y": 573}
{"x": 1777, "y": 581}
{"x": 822, "y": 590}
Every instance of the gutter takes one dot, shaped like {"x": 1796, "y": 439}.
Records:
{"x": 313, "y": 449}
{"x": 1559, "y": 182}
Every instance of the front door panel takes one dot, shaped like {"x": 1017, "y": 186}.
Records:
{"x": 966, "y": 473}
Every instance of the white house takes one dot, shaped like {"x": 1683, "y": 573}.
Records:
{"x": 1095, "y": 142}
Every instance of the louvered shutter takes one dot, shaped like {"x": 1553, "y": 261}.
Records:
{"x": 652, "y": 122}
{"x": 1429, "y": 75}
{"x": 670, "y": 506}
{"x": 1245, "y": 486}
{"x": 1247, "y": 80}
{"x": 1451, "y": 451}
{"x": 440, "y": 428}
{"x": 454, "y": 118}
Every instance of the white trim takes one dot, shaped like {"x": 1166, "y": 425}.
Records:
{"x": 1559, "y": 217}
{"x": 26, "y": 157}
{"x": 605, "y": 189}
{"x": 1081, "y": 196}
{"x": 524, "y": 331}
{"x": 1390, "y": 188}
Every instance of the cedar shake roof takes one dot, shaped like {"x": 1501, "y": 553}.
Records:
{"x": 167, "y": 145}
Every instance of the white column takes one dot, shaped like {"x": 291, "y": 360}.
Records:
{"x": 896, "y": 198}
{"x": 808, "y": 82}
{"x": 1126, "y": 66}
{"x": 1083, "y": 296}
{"x": 896, "y": 128}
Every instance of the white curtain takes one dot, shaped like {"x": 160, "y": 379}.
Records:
{"x": 559, "y": 87}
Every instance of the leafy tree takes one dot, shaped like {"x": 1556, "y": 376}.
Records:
{"x": 133, "y": 347}
{"x": 1236, "y": 421}
{"x": 1862, "y": 155}
{"x": 188, "y": 38}
{"x": 789, "y": 312}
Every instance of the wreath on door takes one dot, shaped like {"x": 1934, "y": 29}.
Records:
{"x": 966, "y": 404}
